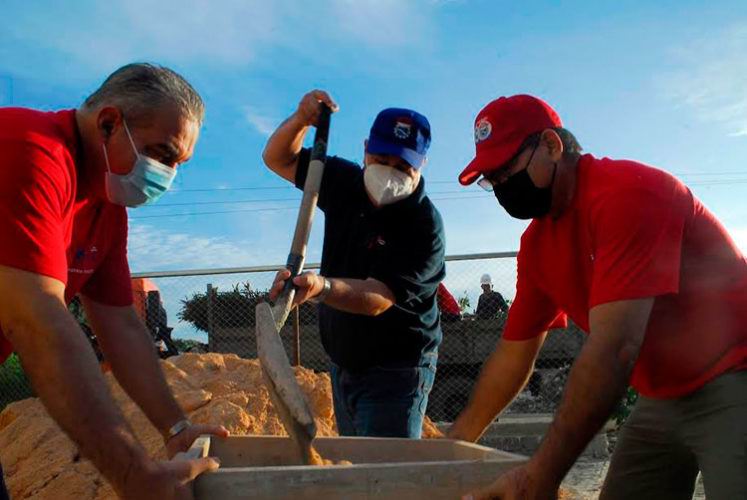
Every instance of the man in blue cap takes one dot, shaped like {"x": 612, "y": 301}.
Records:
{"x": 382, "y": 261}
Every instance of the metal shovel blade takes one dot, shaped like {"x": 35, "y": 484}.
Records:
{"x": 285, "y": 393}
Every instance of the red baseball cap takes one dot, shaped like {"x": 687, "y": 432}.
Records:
{"x": 500, "y": 129}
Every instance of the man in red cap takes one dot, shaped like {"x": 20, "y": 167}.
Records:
{"x": 631, "y": 256}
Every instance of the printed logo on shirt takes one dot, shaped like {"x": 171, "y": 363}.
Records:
{"x": 84, "y": 260}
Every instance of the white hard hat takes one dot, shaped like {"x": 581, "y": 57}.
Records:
{"x": 485, "y": 280}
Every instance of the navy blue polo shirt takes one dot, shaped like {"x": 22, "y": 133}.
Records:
{"x": 401, "y": 245}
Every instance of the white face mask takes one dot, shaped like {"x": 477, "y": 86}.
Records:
{"x": 147, "y": 181}
{"x": 386, "y": 184}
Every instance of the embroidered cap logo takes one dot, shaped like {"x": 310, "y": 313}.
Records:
{"x": 402, "y": 129}
{"x": 482, "y": 130}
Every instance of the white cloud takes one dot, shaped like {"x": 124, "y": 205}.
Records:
{"x": 383, "y": 23}
{"x": 152, "y": 249}
{"x": 105, "y": 34}
{"x": 229, "y": 33}
{"x": 261, "y": 123}
{"x": 712, "y": 79}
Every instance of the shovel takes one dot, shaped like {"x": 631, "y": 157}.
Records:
{"x": 277, "y": 373}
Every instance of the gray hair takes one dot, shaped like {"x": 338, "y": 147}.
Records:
{"x": 139, "y": 88}
{"x": 571, "y": 146}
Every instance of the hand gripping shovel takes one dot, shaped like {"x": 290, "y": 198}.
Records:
{"x": 284, "y": 391}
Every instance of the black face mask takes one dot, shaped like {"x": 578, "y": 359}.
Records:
{"x": 521, "y": 198}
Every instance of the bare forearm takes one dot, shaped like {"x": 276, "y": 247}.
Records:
{"x": 131, "y": 353}
{"x": 596, "y": 383}
{"x": 281, "y": 152}
{"x": 502, "y": 377}
{"x": 66, "y": 376}
{"x": 283, "y": 147}
{"x": 367, "y": 297}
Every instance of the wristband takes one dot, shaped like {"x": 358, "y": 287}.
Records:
{"x": 177, "y": 428}
{"x": 321, "y": 296}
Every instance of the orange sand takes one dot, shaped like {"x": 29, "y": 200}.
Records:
{"x": 40, "y": 461}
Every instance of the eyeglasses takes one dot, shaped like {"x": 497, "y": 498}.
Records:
{"x": 494, "y": 177}
{"x": 486, "y": 184}
{"x": 497, "y": 175}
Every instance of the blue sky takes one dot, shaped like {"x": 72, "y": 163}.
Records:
{"x": 665, "y": 84}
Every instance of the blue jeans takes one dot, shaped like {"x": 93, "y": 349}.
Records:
{"x": 381, "y": 402}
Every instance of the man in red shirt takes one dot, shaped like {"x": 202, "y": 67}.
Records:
{"x": 632, "y": 257}
{"x": 65, "y": 180}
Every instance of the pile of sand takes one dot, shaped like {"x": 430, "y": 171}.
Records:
{"x": 40, "y": 461}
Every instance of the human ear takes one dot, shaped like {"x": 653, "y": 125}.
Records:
{"x": 553, "y": 143}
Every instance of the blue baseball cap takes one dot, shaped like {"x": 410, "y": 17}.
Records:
{"x": 400, "y": 132}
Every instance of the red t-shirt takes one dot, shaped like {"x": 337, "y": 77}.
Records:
{"x": 446, "y": 301}
{"x": 50, "y": 221}
{"x": 633, "y": 231}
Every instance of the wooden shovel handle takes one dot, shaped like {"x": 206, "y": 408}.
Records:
{"x": 311, "y": 187}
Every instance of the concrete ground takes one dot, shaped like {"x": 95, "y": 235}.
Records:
{"x": 522, "y": 433}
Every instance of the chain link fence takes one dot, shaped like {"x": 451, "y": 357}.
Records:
{"x": 13, "y": 382}
{"x": 213, "y": 311}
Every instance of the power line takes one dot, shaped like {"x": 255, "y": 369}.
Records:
{"x": 251, "y": 188}
{"x": 717, "y": 182}
{"x": 429, "y": 181}
{"x": 278, "y": 209}
{"x": 465, "y": 196}
{"x": 694, "y": 174}
{"x": 263, "y": 188}
{"x": 266, "y": 200}
{"x": 465, "y": 192}
{"x": 163, "y": 216}
{"x": 230, "y": 202}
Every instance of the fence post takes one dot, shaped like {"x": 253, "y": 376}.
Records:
{"x": 296, "y": 337}
{"x": 210, "y": 319}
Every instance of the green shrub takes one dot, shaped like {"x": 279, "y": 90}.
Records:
{"x": 233, "y": 309}
{"x": 13, "y": 382}
{"x": 189, "y": 345}
{"x": 625, "y": 406}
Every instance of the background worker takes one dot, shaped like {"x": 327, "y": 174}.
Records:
{"x": 490, "y": 302}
